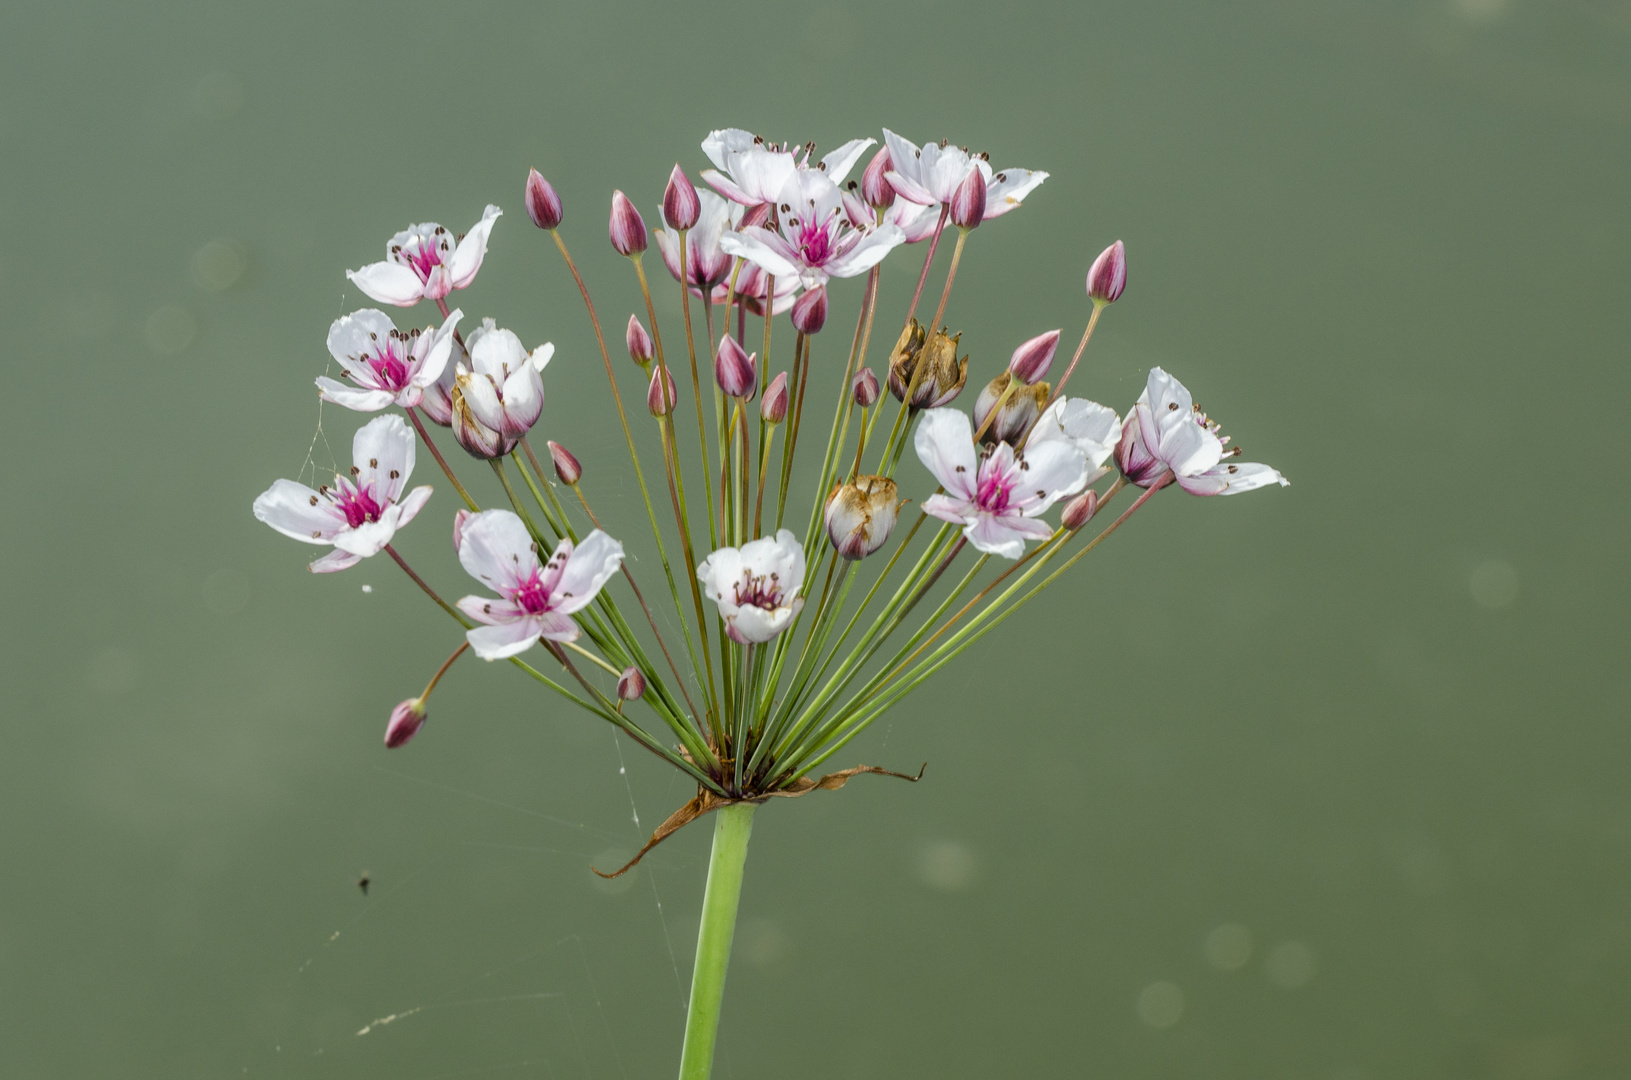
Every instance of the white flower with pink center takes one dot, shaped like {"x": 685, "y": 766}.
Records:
{"x": 756, "y": 586}
{"x": 386, "y": 366}
{"x": 930, "y": 175}
{"x": 358, "y": 514}
{"x": 814, "y": 239}
{"x": 757, "y": 172}
{"x": 534, "y": 600}
{"x": 1166, "y": 430}
{"x": 426, "y": 262}
{"x": 997, "y": 498}
{"x": 1092, "y": 428}
{"x": 504, "y": 387}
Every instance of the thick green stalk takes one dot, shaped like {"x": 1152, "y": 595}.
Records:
{"x": 732, "y": 827}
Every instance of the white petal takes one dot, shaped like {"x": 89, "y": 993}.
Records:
{"x": 903, "y": 155}
{"x": 1188, "y": 448}
{"x": 496, "y": 352}
{"x": 945, "y": 444}
{"x": 557, "y": 627}
{"x": 1053, "y": 470}
{"x": 289, "y": 508}
{"x": 472, "y": 249}
{"x": 334, "y": 562}
{"x": 415, "y": 502}
{"x": 490, "y": 609}
{"x": 587, "y": 569}
{"x": 503, "y": 641}
{"x": 728, "y": 188}
{"x": 1232, "y": 479}
{"x": 353, "y": 397}
{"x": 946, "y": 508}
{"x": 755, "y": 245}
{"x": 721, "y": 144}
{"x": 438, "y": 351}
{"x": 542, "y": 355}
{"x": 388, "y": 282}
{"x": 350, "y": 337}
{"x": 497, "y": 549}
{"x": 370, "y": 537}
{"x": 838, "y": 163}
{"x": 523, "y": 400}
{"x": 1094, "y": 429}
{"x": 866, "y": 253}
{"x": 909, "y": 189}
{"x": 1004, "y": 195}
{"x": 999, "y": 536}
{"x": 382, "y": 451}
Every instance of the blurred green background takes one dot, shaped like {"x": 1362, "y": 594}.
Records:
{"x": 1321, "y": 783}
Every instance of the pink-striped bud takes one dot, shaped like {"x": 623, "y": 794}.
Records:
{"x": 1031, "y": 360}
{"x": 1107, "y": 277}
{"x": 639, "y": 342}
{"x": 968, "y": 201}
{"x": 660, "y": 395}
{"x": 543, "y": 205}
{"x": 627, "y": 228}
{"x": 860, "y": 515}
{"x": 875, "y": 187}
{"x": 478, "y": 440}
{"x": 773, "y": 406}
{"x": 734, "y": 370}
{"x": 1080, "y": 510}
{"x": 810, "y": 310}
{"x": 755, "y": 215}
{"x": 864, "y": 387}
{"x": 406, "y": 720}
{"x": 460, "y": 516}
{"x": 681, "y": 207}
{"x": 631, "y": 685}
{"x": 566, "y": 466}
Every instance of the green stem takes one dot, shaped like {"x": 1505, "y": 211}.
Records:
{"x": 732, "y": 827}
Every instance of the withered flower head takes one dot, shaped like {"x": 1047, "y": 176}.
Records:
{"x": 860, "y": 515}
{"x": 1017, "y": 414}
{"x": 943, "y": 375}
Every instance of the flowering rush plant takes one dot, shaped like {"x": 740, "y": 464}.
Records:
{"x": 809, "y": 613}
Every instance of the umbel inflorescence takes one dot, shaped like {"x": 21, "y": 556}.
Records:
{"x": 804, "y": 611}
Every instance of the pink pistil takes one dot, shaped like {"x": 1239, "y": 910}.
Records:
{"x": 531, "y": 595}
{"x": 993, "y": 490}
{"x": 358, "y": 505}
{"x": 758, "y": 592}
{"x": 815, "y": 243}
{"x": 389, "y": 368}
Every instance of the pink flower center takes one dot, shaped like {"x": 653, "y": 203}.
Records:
{"x": 389, "y": 369}
{"x": 815, "y": 243}
{"x": 995, "y": 483}
{"x": 531, "y": 594}
{"x": 423, "y": 254}
{"x": 358, "y": 505}
{"x": 760, "y": 592}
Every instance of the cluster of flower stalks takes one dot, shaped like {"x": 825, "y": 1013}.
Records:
{"x": 808, "y": 613}
{"x": 801, "y": 613}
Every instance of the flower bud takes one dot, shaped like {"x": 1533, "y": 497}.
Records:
{"x": 1080, "y": 510}
{"x": 1031, "y": 360}
{"x": 875, "y": 188}
{"x": 543, "y": 205}
{"x": 860, "y": 515}
{"x": 478, "y": 440}
{"x": 566, "y": 466}
{"x": 864, "y": 387}
{"x": 1107, "y": 277}
{"x": 810, "y": 310}
{"x": 773, "y": 406}
{"x": 734, "y": 370}
{"x": 968, "y": 201}
{"x": 460, "y": 517}
{"x": 406, "y": 720}
{"x": 943, "y": 375}
{"x": 1017, "y": 414}
{"x": 660, "y": 395}
{"x": 628, "y": 228}
{"x": 631, "y": 684}
{"x": 640, "y": 349}
{"x": 681, "y": 207}
{"x": 755, "y": 215}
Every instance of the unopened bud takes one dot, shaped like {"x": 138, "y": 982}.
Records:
{"x": 566, "y": 466}
{"x": 860, "y": 515}
{"x": 875, "y": 187}
{"x": 810, "y": 310}
{"x": 734, "y": 370}
{"x": 631, "y": 684}
{"x": 1031, "y": 360}
{"x": 968, "y": 201}
{"x": 543, "y": 205}
{"x": 755, "y": 216}
{"x": 1017, "y": 414}
{"x": 1107, "y": 277}
{"x": 681, "y": 207}
{"x": 627, "y": 228}
{"x": 460, "y": 517}
{"x": 1080, "y": 510}
{"x": 660, "y": 396}
{"x": 406, "y": 719}
{"x": 640, "y": 349}
{"x": 773, "y": 406}
{"x": 865, "y": 387}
